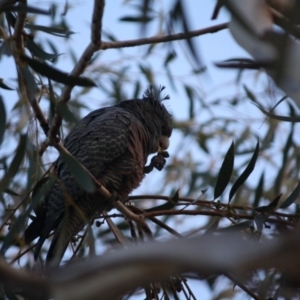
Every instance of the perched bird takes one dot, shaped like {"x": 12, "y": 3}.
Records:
{"x": 113, "y": 143}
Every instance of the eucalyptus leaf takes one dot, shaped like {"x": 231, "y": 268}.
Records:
{"x": 292, "y": 197}
{"x": 2, "y": 119}
{"x": 51, "y": 30}
{"x": 245, "y": 174}
{"x": 38, "y": 52}
{"x": 225, "y": 172}
{"x": 15, "y": 164}
{"x": 82, "y": 177}
{"x": 57, "y": 75}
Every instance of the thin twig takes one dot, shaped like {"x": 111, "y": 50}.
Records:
{"x": 242, "y": 286}
{"x": 83, "y": 61}
{"x": 18, "y": 52}
{"x": 158, "y": 222}
{"x": 162, "y": 39}
{"x": 18, "y": 37}
{"x": 79, "y": 245}
{"x": 101, "y": 189}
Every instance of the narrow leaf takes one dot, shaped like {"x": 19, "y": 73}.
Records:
{"x": 4, "y": 86}
{"x": 2, "y": 120}
{"x": 148, "y": 73}
{"x": 29, "y": 82}
{"x": 245, "y": 174}
{"x": 28, "y": 9}
{"x": 122, "y": 239}
{"x": 237, "y": 227}
{"x": 166, "y": 206}
{"x": 250, "y": 95}
{"x": 50, "y": 30}
{"x": 57, "y": 75}
{"x": 175, "y": 197}
{"x": 136, "y": 19}
{"x": 38, "y": 52}
{"x": 259, "y": 190}
{"x": 79, "y": 172}
{"x": 5, "y": 49}
{"x": 15, "y": 230}
{"x": 271, "y": 207}
{"x": 293, "y": 119}
{"x": 287, "y": 147}
{"x": 292, "y": 197}
{"x": 11, "y": 192}
{"x": 190, "y": 94}
{"x": 65, "y": 111}
{"x": 15, "y": 164}
{"x": 42, "y": 188}
{"x": 225, "y": 172}
{"x": 259, "y": 220}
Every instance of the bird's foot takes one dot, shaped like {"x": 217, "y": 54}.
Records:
{"x": 158, "y": 162}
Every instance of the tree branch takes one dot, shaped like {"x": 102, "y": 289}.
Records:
{"x": 20, "y": 281}
{"x": 206, "y": 255}
{"x": 83, "y": 61}
{"x": 162, "y": 39}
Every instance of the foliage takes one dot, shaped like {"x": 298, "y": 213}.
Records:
{"x": 225, "y": 202}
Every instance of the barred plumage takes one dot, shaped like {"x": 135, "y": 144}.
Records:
{"x": 113, "y": 143}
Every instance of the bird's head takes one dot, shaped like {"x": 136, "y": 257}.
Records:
{"x": 159, "y": 117}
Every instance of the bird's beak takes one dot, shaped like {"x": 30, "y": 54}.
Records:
{"x": 164, "y": 142}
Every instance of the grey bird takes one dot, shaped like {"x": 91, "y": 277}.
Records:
{"x": 113, "y": 143}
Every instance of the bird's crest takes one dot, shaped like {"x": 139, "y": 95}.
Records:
{"x": 155, "y": 92}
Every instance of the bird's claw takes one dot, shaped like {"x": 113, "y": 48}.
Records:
{"x": 158, "y": 162}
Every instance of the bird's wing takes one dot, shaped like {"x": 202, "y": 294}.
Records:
{"x": 96, "y": 141}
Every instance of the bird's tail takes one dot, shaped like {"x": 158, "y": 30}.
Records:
{"x": 58, "y": 245}
{"x": 34, "y": 229}
{"x": 66, "y": 229}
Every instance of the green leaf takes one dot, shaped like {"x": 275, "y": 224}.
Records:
{"x": 2, "y": 120}
{"x": 245, "y": 174}
{"x": 15, "y": 230}
{"x": 269, "y": 208}
{"x": 11, "y": 192}
{"x": 51, "y": 30}
{"x": 29, "y": 82}
{"x": 148, "y": 73}
{"x": 175, "y": 198}
{"x": 65, "y": 111}
{"x": 53, "y": 101}
{"x": 15, "y": 164}
{"x": 259, "y": 219}
{"x": 168, "y": 205}
{"x": 170, "y": 57}
{"x": 28, "y": 9}
{"x": 41, "y": 188}
{"x": 237, "y": 227}
{"x": 249, "y": 94}
{"x": 225, "y": 172}
{"x": 4, "y": 86}
{"x": 292, "y": 197}
{"x": 140, "y": 19}
{"x": 190, "y": 94}
{"x": 79, "y": 172}
{"x": 259, "y": 190}
{"x": 179, "y": 13}
{"x": 57, "y": 75}
{"x": 38, "y": 52}
{"x": 287, "y": 147}
{"x": 5, "y": 49}
{"x": 292, "y": 119}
